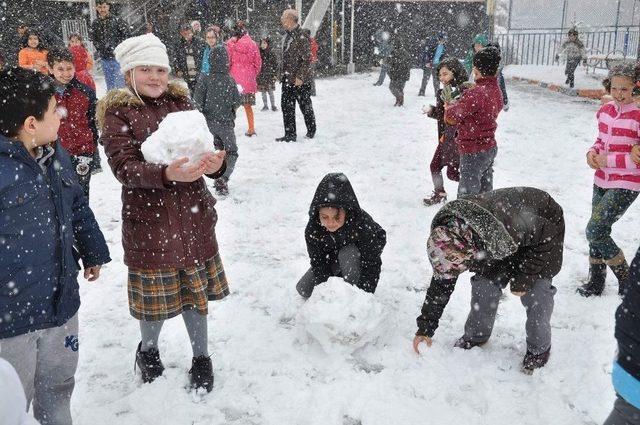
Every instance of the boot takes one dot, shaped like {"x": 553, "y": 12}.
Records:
{"x": 436, "y": 198}
{"x": 274, "y": 108}
{"x": 397, "y": 101}
{"x": 265, "y": 108}
{"x": 201, "y": 373}
{"x": 149, "y": 364}
{"x": 534, "y": 361}
{"x": 465, "y": 344}
{"x": 597, "y": 276}
{"x": 620, "y": 269}
{"x": 222, "y": 189}
{"x": 401, "y": 101}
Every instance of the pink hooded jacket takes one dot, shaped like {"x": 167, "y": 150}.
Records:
{"x": 245, "y": 62}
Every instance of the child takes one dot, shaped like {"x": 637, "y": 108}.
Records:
{"x": 453, "y": 75}
{"x": 342, "y": 239}
{"x": 475, "y": 115}
{"x": 217, "y": 97}
{"x": 47, "y": 227}
{"x": 575, "y": 52}
{"x": 268, "y": 74}
{"x": 168, "y": 214}
{"x": 508, "y": 236}
{"x": 82, "y": 61}
{"x": 78, "y": 133}
{"x": 399, "y": 71}
{"x": 481, "y": 41}
{"x": 626, "y": 369}
{"x": 617, "y": 179}
{"x": 33, "y": 55}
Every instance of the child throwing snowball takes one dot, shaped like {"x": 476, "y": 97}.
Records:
{"x": 168, "y": 214}
{"x": 616, "y": 182}
{"x": 342, "y": 239}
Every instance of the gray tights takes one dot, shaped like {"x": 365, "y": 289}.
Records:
{"x": 196, "y": 324}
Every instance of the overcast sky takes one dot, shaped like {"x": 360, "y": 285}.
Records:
{"x": 548, "y": 13}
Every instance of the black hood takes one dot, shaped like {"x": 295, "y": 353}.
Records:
{"x": 218, "y": 60}
{"x": 335, "y": 190}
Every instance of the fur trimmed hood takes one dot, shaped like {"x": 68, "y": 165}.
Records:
{"x": 126, "y": 98}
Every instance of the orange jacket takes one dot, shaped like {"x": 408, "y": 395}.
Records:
{"x": 27, "y": 58}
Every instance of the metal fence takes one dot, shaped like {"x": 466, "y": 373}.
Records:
{"x": 541, "y": 48}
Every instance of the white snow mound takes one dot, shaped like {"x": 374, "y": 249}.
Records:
{"x": 180, "y": 134}
{"x": 341, "y": 317}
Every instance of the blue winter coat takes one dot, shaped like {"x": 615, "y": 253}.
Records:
{"x": 42, "y": 217}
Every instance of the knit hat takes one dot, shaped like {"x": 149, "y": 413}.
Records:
{"x": 451, "y": 248}
{"x": 142, "y": 50}
{"x": 487, "y": 61}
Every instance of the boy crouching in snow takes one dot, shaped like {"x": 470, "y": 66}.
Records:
{"x": 512, "y": 236}
{"x": 46, "y": 227}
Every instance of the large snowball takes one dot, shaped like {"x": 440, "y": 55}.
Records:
{"x": 341, "y": 317}
{"x": 180, "y": 134}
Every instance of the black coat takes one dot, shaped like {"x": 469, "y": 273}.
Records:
{"x": 521, "y": 233}
{"x": 269, "y": 71}
{"x": 180, "y": 55}
{"x": 399, "y": 64}
{"x": 359, "y": 229}
{"x": 296, "y": 56}
{"x": 628, "y": 322}
{"x": 107, "y": 33}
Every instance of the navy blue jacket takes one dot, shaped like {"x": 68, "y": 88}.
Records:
{"x": 42, "y": 217}
{"x": 628, "y": 322}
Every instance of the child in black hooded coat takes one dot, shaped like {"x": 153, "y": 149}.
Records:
{"x": 342, "y": 239}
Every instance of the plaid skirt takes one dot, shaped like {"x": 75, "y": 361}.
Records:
{"x": 160, "y": 294}
{"x": 248, "y": 98}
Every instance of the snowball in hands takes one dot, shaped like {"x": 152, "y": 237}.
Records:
{"x": 179, "y": 135}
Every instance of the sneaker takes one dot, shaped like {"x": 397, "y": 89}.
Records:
{"x": 222, "y": 189}
{"x": 265, "y": 108}
{"x": 465, "y": 344}
{"x": 286, "y": 139}
{"x": 274, "y": 108}
{"x": 250, "y": 133}
{"x": 310, "y": 134}
{"x": 149, "y": 364}
{"x": 377, "y": 84}
{"x": 436, "y": 198}
{"x": 201, "y": 373}
{"x": 534, "y": 361}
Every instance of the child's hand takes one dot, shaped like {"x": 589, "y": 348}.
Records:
{"x": 600, "y": 160}
{"x": 419, "y": 339}
{"x": 92, "y": 273}
{"x": 175, "y": 171}
{"x": 591, "y": 160}
{"x": 635, "y": 154}
{"x": 213, "y": 161}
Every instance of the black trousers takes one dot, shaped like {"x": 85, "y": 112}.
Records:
{"x": 302, "y": 95}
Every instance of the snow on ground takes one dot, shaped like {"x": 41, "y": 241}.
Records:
{"x": 555, "y": 75}
{"x": 267, "y": 373}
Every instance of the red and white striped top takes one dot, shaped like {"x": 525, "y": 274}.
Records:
{"x": 618, "y": 132}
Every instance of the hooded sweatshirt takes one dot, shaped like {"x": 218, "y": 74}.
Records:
{"x": 359, "y": 229}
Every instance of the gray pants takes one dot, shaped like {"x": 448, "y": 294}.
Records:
{"x": 272, "y": 98}
{"x": 46, "y": 363}
{"x": 623, "y": 414}
{"x": 348, "y": 267}
{"x": 433, "y": 74}
{"x": 225, "y": 138}
{"x": 485, "y": 296}
{"x": 476, "y": 172}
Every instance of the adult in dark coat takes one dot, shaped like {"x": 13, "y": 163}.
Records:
{"x": 399, "y": 70}
{"x": 107, "y": 31}
{"x": 342, "y": 239}
{"x": 626, "y": 368}
{"x": 268, "y": 73}
{"x": 296, "y": 78}
{"x": 187, "y": 57}
{"x": 512, "y": 236}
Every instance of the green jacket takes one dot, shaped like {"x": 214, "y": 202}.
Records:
{"x": 468, "y": 60}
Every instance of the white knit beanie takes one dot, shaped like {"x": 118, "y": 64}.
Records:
{"x": 142, "y": 50}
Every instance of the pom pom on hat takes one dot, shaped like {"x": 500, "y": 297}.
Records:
{"x": 143, "y": 50}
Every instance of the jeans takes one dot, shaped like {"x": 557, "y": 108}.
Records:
{"x": 476, "y": 172}
{"x": 433, "y": 74}
{"x": 112, "y": 75}
{"x": 225, "y": 138}
{"x": 570, "y": 70}
{"x": 384, "y": 68}
{"x": 623, "y": 413}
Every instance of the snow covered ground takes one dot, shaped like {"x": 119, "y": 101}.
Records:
{"x": 270, "y": 371}
{"x": 555, "y": 75}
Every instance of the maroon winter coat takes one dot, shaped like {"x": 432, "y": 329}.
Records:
{"x": 164, "y": 224}
{"x": 78, "y": 133}
{"x": 476, "y": 115}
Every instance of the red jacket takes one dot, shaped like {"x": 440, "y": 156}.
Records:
{"x": 476, "y": 115}
{"x": 314, "y": 50}
{"x": 82, "y": 62}
{"x": 78, "y": 133}
{"x": 164, "y": 224}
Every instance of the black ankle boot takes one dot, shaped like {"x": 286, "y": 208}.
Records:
{"x": 149, "y": 364}
{"x": 201, "y": 373}
{"x": 595, "y": 285}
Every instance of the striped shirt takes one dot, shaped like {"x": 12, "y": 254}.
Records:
{"x": 618, "y": 132}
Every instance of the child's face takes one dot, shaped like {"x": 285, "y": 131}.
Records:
{"x": 446, "y": 76}
{"x": 331, "y": 218}
{"x": 477, "y": 47}
{"x": 263, "y": 45}
{"x": 621, "y": 90}
{"x": 36, "y": 133}
{"x": 211, "y": 38}
{"x": 63, "y": 72}
{"x": 476, "y": 73}
{"x": 33, "y": 41}
{"x": 151, "y": 81}
{"x": 74, "y": 41}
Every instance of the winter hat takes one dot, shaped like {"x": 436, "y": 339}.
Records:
{"x": 142, "y": 50}
{"x": 627, "y": 70}
{"x": 450, "y": 248}
{"x": 487, "y": 61}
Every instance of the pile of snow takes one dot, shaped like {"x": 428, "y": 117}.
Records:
{"x": 342, "y": 318}
{"x": 179, "y": 135}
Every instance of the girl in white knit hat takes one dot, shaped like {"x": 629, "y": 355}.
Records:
{"x": 168, "y": 214}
